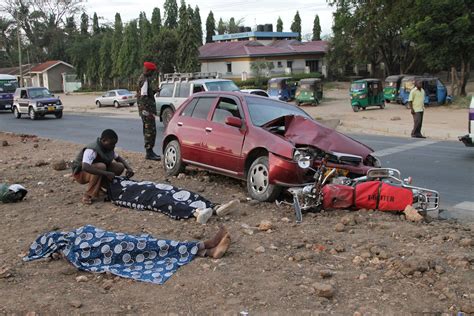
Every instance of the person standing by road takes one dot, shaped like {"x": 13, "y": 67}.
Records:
{"x": 416, "y": 103}
{"x": 147, "y": 109}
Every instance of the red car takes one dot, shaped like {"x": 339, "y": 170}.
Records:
{"x": 256, "y": 139}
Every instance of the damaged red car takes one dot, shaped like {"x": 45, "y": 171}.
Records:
{"x": 258, "y": 140}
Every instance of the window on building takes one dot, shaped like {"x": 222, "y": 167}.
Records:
{"x": 279, "y": 64}
{"x": 229, "y": 68}
{"x": 313, "y": 65}
{"x": 289, "y": 64}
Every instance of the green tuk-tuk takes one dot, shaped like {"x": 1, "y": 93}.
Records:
{"x": 309, "y": 91}
{"x": 365, "y": 93}
{"x": 391, "y": 89}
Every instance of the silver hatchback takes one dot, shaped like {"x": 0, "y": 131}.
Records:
{"x": 117, "y": 98}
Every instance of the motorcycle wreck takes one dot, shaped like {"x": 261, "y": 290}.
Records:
{"x": 380, "y": 189}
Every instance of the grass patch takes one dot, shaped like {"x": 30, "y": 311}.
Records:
{"x": 461, "y": 102}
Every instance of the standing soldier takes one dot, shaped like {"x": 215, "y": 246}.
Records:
{"x": 147, "y": 109}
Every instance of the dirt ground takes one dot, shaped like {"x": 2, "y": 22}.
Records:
{"x": 440, "y": 122}
{"x": 373, "y": 263}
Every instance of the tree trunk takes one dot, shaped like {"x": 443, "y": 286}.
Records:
{"x": 454, "y": 81}
{"x": 465, "y": 73}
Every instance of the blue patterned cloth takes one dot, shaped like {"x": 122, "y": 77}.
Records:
{"x": 143, "y": 258}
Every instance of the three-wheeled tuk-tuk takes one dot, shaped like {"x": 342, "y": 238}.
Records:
{"x": 392, "y": 88}
{"x": 435, "y": 90}
{"x": 365, "y": 93}
{"x": 309, "y": 91}
{"x": 282, "y": 88}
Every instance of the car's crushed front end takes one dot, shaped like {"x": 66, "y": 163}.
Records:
{"x": 47, "y": 106}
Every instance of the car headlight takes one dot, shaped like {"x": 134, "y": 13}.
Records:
{"x": 39, "y": 104}
{"x": 296, "y": 155}
{"x": 58, "y": 102}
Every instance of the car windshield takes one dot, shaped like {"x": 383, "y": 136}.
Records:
{"x": 307, "y": 87}
{"x": 39, "y": 93}
{"x": 124, "y": 92}
{"x": 274, "y": 85}
{"x": 8, "y": 86}
{"x": 358, "y": 86}
{"x": 222, "y": 86}
{"x": 408, "y": 85}
{"x": 265, "y": 110}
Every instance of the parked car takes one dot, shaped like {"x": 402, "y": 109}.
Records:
{"x": 468, "y": 139}
{"x": 365, "y": 93}
{"x": 259, "y": 92}
{"x": 8, "y": 85}
{"x": 173, "y": 94}
{"x": 36, "y": 102}
{"x": 282, "y": 88}
{"x": 117, "y": 98}
{"x": 435, "y": 90}
{"x": 256, "y": 139}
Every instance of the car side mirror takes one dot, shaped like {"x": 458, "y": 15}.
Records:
{"x": 233, "y": 121}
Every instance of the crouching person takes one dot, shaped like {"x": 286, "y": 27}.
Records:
{"x": 95, "y": 165}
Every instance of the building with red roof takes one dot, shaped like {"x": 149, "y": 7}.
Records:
{"x": 50, "y": 74}
{"x": 232, "y": 54}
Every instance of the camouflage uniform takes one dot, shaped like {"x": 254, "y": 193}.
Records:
{"x": 146, "y": 107}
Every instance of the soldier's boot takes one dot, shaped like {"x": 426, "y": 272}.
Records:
{"x": 150, "y": 155}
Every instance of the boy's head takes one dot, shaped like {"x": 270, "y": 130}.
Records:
{"x": 108, "y": 139}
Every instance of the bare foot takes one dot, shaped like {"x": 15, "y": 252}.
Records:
{"x": 214, "y": 241}
{"x": 221, "y": 248}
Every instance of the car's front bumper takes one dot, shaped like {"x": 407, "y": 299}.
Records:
{"x": 6, "y": 104}
{"x": 49, "y": 109}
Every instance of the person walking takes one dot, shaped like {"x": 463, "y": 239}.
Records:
{"x": 416, "y": 103}
{"x": 147, "y": 109}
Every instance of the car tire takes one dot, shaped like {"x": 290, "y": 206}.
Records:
{"x": 59, "y": 115}
{"x": 382, "y": 106}
{"x": 16, "y": 113}
{"x": 172, "y": 161}
{"x": 258, "y": 183}
{"x": 116, "y": 104}
{"x": 32, "y": 114}
{"x": 355, "y": 108}
{"x": 166, "y": 116}
{"x": 131, "y": 104}
{"x": 98, "y": 104}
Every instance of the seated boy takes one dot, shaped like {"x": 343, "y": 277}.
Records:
{"x": 95, "y": 165}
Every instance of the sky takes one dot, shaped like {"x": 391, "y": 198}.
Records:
{"x": 251, "y": 11}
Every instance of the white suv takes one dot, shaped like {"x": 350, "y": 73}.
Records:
{"x": 173, "y": 94}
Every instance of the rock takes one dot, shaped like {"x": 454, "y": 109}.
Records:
{"x": 340, "y": 248}
{"x": 439, "y": 269}
{"x": 363, "y": 276}
{"x": 273, "y": 247}
{"x": 41, "y": 163}
{"x": 248, "y": 232}
{"x": 260, "y": 249}
{"x": 323, "y": 290}
{"x": 35, "y": 146}
{"x": 365, "y": 255}
{"x": 466, "y": 242}
{"x": 5, "y": 143}
{"x": 181, "y": 176}
{"x": 82, "y": 278}
{"x": 285, "y": 220}
{"x": 265, "y": 225}
{"x": 396, "y": 118}
{"x": 68, "y": 270}
{"x": 357, "y": 260}
{"x": 60, "y": 165}
{"x": 325, "y": 274}
{"x": 5, "y": 272}
{"x": 300, "y": 256}
{"x": 412, "y": 215}
{"x": 108, "y": 284}
{"x": 468, "y": 308}
{"x": 413, "y": 264}
{"x": 348, "y": 220}
{"x": 339, "y": 227}
{"x": 75, "y": 304}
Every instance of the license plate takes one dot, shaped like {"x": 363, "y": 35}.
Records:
{"x": 50, "y": 108}
{"x": 7, "y": 106}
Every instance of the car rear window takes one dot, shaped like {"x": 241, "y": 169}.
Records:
{"x": 221, "y": 86}
{"x": 265, "y": 110}
{"x": 202, "y": 107}
{"x": 166, "y": 90}
{"x": 123, "y": 92}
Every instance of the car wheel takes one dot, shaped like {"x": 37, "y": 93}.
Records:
{"x": 16, "y": 113}
{"x": 98, "y": 104}
{"x": 258, "y": 183}
{"x": 166, "y": 116}
{"x": 59, "y": 115}
{"x": 355, "y": 108}
{"x": 172, "y": 159}
{"x": 131, "y": 104}
{"x": 382, "y": 106}
{"x": 116, "y": 104}
{"x": 32, "y": 114}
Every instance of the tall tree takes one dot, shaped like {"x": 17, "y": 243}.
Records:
{"x": 232, "y": 26}
{"x": 117, "y": 39}
{"x": 316, "y": 29}
{"x": 171, "y": 14}
{"x": 95, "y": 24}
{"x": 166, "y": 45}
{"x": 296, "y": 25}
{"x": 197, "y": 25}
{"x": 210, "y": 27}
{"x": 221, "y": 28}
{"x": 145, "y": 36}
{"x": 128, "y": 61}
{"x": 105, "y": 59}
{"x": 188, "y": 48}
{"x": 279, "y": 25}
{"x": 156, "y": 21}
{"x": 84, "y": 24}
{"x": 70, "y": 27}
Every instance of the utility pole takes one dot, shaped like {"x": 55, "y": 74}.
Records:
{"x": 19, "y": 48}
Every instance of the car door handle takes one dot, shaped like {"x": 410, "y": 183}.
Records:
{"x": 208, "y": 129}
{"x": 180, "y": 123}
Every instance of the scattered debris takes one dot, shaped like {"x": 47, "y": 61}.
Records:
{"x": 412, "y": 215}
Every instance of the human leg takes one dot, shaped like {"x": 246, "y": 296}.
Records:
{"x": 93, "y": 182}
{"x": 116, "y": 167}
{"x": 216, "y": 246}
{"x": 149, "y": 134}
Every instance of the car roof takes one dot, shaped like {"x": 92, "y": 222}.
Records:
{"x": 7, "y": 77}
{"x": 367, "y": 80}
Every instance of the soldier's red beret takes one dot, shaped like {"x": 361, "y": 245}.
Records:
{"x": 149, "y": 65}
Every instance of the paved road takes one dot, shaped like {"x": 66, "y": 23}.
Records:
{"x": 445, "y": 166}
